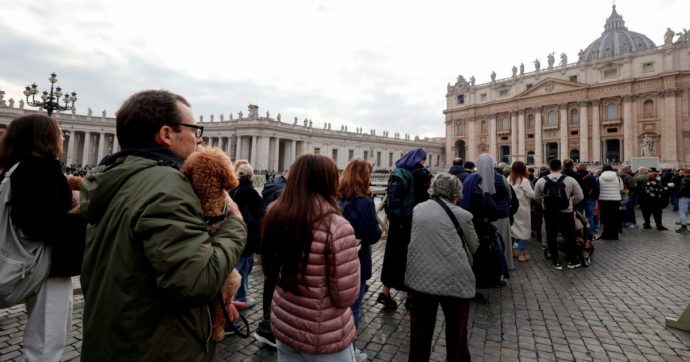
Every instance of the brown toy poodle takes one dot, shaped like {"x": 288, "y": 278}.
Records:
{"x": 212, "y": 175}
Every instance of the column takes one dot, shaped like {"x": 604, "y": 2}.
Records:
{"x": 563, "y": 108}
{"x": 670, "y": 135}
{"x": 253, "y": 153}
{"x": 101, "y": 147}
{"x": 262, "y": 152}
{"x": 493, "y": 149}
{"x": 628, "y": 129}
{"x": 513, "y": 137}
{"x": 449, "y": 142}
{"x": 116, "y": 144}
{"x": 471, "y": 140}
{"x": 87, "y": 149}
{"x": 584, "y": 133}
{"x": 521, "y": 136}
{"x": 292, "y": 153}
{"x": 238, "y": 148}
{"x": 596, "y": 132}
{"x": 276, "y": 154}
{"x": 538, "y": 146}
{"x": 70, "y": 148}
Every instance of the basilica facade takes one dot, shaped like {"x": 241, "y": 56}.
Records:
{"x": 623, "y": 97}
{"x": 268, "y": 143}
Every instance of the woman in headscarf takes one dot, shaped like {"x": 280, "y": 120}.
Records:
{"x": 487, "y": 265}
{"x": 399, "y": 229}
{"x": 500, "y": 191}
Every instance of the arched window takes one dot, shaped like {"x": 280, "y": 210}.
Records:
{"x": 575, "y": 155}
{"x": 482, "y": 127}
{"x": 612, "y": 111}
{"x": 574, "y": 116}
{"x": 648, "y": 108}
{"x": 530, "y": 121}
{"x": 551, "y": 118}
{"x": 505, "y": 123}
{"x": 460, "y": 129}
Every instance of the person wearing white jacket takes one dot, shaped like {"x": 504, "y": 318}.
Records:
{"x": 521, "y": 230}
{"x": 610, "y": 187}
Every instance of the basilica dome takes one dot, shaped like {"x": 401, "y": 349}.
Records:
{"x": 616, "y": 40}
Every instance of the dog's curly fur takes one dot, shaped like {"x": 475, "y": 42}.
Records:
{"x": 212, "y": 175}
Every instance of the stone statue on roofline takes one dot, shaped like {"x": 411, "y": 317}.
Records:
{"x": 514, "y": 71}
{"x": 21, "y": 104}
{"x": 89, "y": 112}
{"x": 211, "y": 117}
{"x": 103, "y": 113}
{"x": 493, "y": 76}
{"x": 11, "y": 102}
{"x": 537, "y": 65}
{"x": 564, "y": 59}
{"x": 231, "y": 117}
{"x": 201, "y": 118}
{"x": 550, "y": 60}
{"x": 580, "y": 55}
{"x": 668, "y": 36}
{"x": 522, "y": 68}
{"x": 222, "y": 117}
{"x": 278, "y": 117}
{"x": 239, "y": 115}
{"x": 472, "y": 80}
{"x": 2, "y": 97}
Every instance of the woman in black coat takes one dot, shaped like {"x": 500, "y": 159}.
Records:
{"x": 41, "y": 199}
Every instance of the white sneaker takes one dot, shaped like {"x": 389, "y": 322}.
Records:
{"x": 360, "y": 356}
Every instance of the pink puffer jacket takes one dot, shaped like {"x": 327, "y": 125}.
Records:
{"x": 318, "y": 320}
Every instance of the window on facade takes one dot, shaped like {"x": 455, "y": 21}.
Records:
{"x": 350, "y": 155}
{"x": 574, "y": 116}
{"x": 551, "y": 118}
{"x": 503, "y": 92}
{"x": 482, "y": 127}
{"x": 612, "y": 111}
{"x": 530, "y": 157}
{"x": 482, "y": 96}
{"x": 334, "y": 154}
{"x": 647, "y": 67}
{"x": 504, "y": 154}
{"x": 573, "y": 78}
{"x": 574, "y": 133}
{"x": 530, "y": 121}
{"x": 530, "y": 135}
{"x": 460, "y": 129}
{"x": 460, "y": 99}
{"x": 317, "y": 150}
{"x": 366, "y": 155}
{"x": 611, "y": 73}
{"x": 504, "y": 138}
{"x": 648, "y": 108}
{"x": 505, "y": 123}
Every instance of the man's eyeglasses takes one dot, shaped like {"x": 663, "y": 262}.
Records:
{"x": 199, "y": 130}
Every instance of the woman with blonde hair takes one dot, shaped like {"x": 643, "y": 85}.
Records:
{"x": 309, "y": 251}
{"x": 521, "y": 229}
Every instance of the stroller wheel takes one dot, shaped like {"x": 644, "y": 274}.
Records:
{"x": 586, "y": 258}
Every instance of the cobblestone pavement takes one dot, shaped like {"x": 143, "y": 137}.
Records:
{"x": 612, "y": 311}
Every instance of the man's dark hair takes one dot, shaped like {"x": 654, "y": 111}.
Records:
{"x": 143, "y": 114}
{"x": 555, "y": 164}
{"x": 607, "y": 168}
{"x": 3, "y": 126}
{"x": 457, "y": 161}
{"x": 567, "y": 163}
{"x": 469, "y": 165}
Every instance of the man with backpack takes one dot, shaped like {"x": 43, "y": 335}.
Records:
{"x": 558, "y": 193}
{"x": 590, "y": 189}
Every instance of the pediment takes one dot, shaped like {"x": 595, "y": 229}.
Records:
{"x": 549, "y": 86}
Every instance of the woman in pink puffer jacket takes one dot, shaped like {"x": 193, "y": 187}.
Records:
{"x": 310, "y": 251}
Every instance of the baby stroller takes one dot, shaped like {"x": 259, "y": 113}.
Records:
{"x": 583, "y": 240}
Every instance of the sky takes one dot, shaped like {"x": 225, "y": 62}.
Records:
{"x": 377, "y": 64}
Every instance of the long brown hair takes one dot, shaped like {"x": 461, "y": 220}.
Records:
{"x": 30, "y": 135}
{"x": 287, "y": 228}
{"x": 518, "y": 171}
{"x": 355, "y": 180}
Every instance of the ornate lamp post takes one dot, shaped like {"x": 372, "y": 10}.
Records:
{"x": 50, "y": 101}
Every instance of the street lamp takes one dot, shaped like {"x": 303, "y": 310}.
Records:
{"x": 51, "y": 101}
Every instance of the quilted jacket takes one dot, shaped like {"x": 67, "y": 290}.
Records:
{"x": 318, "y": 318}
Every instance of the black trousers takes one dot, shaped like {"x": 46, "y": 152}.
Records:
{"x": 267, "y": 298}
{"x": 423, "y": 320}
{"x": 651, "y": 208}
{"x": 563, "y": 223}
{"x": 610, "y": 219}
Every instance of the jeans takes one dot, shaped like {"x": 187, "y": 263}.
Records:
{"x": 50, "y": 320}
{"x": 356, "y": 308}
{"x": 287, "y": 354}
{"x": 630, "y": 210}
{"x": 683, "y": 203}
{"x": 591, "y": 220}
{"x": 244, "y": 267}
{"x": 423, "y": 310}
{"x": 564, "y": 223}
{"x": 522, "y": 245}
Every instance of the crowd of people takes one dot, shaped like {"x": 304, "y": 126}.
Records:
{"x": 150, "y": 267}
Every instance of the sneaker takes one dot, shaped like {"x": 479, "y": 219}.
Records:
{"x": 231, "y": 331}
{"x": 265, "y": 338}
{"x": 523, "y": 256}
{"x": 250, "y": 302}
{"x": 360, "y": 356}
{"x": 661, "y": 228}
{"x": 647, "y": 227}
{"x": 682, "y": 230}
{"x": 633, "y": 226}
{"x": 558, "y": 266}
{"x": 387, "y": 301}
{"x": 574, "y": 265}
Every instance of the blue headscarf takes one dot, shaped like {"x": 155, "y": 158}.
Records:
{"x": 468, "y": 187}
{"x": 411, "y": 159}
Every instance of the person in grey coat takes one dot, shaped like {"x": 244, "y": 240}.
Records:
{"x": 439, "y": 270}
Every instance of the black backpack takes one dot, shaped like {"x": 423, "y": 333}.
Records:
{"x": 555, "y": 194}
{"x": 400, "y": 194}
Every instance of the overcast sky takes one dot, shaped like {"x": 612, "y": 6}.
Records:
{"x": 370, "y": 63}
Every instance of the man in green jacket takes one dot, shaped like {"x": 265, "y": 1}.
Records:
{"x": 150, "y": 266}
